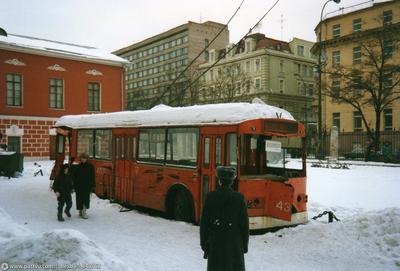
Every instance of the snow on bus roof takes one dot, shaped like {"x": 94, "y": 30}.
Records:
{"x": 162, "y": 115}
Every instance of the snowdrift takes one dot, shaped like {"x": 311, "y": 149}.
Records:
{"x": 364, "y": 241}
{"x": 58, "y": 247}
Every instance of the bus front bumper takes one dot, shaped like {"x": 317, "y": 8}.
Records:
{"x": 265, "y": 222}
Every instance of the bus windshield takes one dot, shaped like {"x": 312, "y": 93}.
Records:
{"x": 271, "y": 155}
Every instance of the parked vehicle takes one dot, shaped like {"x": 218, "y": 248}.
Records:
{"x": 165, "y": 158}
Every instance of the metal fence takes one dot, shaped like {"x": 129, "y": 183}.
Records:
{"x": 354, "y": 146}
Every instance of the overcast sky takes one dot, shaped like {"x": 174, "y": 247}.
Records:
{"x": 113, "y": 24}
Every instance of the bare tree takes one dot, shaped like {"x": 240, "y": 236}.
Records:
{"x": 373, "y": 82}
{"x": 230, "y": 84}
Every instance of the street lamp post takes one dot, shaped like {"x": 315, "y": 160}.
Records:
{"x": 306, "y": 110}
{"x": 320, "y": 79}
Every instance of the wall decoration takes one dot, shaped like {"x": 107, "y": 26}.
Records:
{"x": 15, "y": 62}
{"x": 94, "y": 72}
{"x": 57, "y": 68}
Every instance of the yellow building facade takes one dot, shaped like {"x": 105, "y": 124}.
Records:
{"x": 344, "y": 36}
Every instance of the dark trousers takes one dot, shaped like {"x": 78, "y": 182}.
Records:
{"x": 82, "y": 198}
{"x": 64, "y": 199}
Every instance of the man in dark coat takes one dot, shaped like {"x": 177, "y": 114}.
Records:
{"x": 224, "y": 226}
{"x": 62, "y": 186}
{"x": 84, "y": 183}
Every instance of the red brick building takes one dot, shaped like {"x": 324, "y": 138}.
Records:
{"x": 41, "y": 80}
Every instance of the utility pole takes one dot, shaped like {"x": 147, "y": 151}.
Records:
{"x": 319, "y": 146}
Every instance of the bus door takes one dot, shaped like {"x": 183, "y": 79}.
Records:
{"x": 130, "y": 167}
{"x": 211, "y": 158}
{"x": 124, "y": 168}
{"x": 60, "y": 152}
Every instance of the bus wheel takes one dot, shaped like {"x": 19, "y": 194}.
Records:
{"x": 182, "y": 206}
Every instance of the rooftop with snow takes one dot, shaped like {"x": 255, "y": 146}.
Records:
{"x": 34, "y": 45}
{"x": 162, "y": 115}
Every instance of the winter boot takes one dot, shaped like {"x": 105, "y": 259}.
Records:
{"x": 80, "y": 213}
{"x": 60, "y": 217}
{"x": 67, "y": 213}
{"x": 84, "y": 215}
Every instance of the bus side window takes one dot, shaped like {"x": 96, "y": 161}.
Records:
{"x": 117, "y": 148}
{"x": 231, "y": 149}
{"x": 206, "y": 161}
{"x": 122, "y": 150}
{"x": 128, "y": 148}
{"x": 133, "y": 150}
{"x": 218, "y": 153}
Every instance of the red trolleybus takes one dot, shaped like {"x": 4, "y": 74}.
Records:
{"x": 165, "y": 158}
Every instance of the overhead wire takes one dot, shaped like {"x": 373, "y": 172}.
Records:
{"x": 230, "y": 49}
{"x": 194, "y": 60}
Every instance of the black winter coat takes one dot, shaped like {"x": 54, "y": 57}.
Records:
{"x": 63, "y": 184}
{"x": 224, "y": 230}
{"x": 84, "y": 179}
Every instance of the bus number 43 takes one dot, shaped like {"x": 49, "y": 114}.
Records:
{"x": 283, "y": 206}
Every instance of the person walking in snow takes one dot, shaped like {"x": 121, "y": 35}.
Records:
{"x": 84, "y": 184}
{"x": 62, "y": 186}
{"x": 224, "y": 225}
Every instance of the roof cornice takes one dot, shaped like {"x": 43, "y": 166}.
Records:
{"x": 20, "y": 49}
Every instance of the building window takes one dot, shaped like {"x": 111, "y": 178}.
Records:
{"x": 258, "y": 85}
{"x": 238, "y": 68}
{"x": 336, "y": 120}
{"x": 206, "y": 53}
{"x": 310, "y": 71}
{"x": 248, "y": 86}
{"x": 238, "y": 88}
{"x": 335, "y": 89}
{"x": 388, "y": 119}
{"x": 56, "y": 93}
{"x": 357, "y": 25}
{"x": 93, "y": 97}
{"x": 301, "y": 88}
{"x": 14, "y": 90}
{"x": 387, "y": 48}
{"x": 387, "y": 84}
{"x": 257, "y": 65}
{"x": 310, "y": 89}
{"x": 335, "y": 58}
{"x": 336, "y": 30}
{"x": 247, "y": 66}
{"x": 304, "y": 70}
{"x": 357, "y": 55}
{"x": 211, "y": 56}
{"x": 300, "y": 50}
{"x": 248, "y": 46}
{"x": 357, "y": 122}
{"x": 357, "y": 86}
{"x": 281, "y": 85}
{"x": 387, "y": 17}
{"x": 281, "y": 66}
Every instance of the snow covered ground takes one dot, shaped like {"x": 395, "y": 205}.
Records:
{"x": 365, "y": 198}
